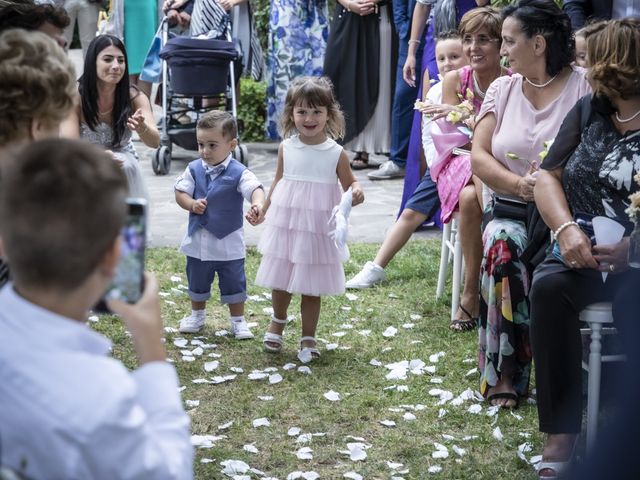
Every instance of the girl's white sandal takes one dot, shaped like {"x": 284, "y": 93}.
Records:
{"x": 272, "y": 342}
{"x": 306, "y": 354}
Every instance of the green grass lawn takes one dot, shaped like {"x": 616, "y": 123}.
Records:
{"x": 407, "y": 302}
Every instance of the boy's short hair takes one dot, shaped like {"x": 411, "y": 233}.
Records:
{"x": 448, "y": 35}
{"x": 62, "y": 204}
{"x": 31, "y": 16}
{"x": 219, "y": 119}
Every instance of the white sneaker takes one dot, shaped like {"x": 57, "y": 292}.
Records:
{"x": 370, "y": 275}
{"x": 191, "y": 324}
{"x": 241, "y": 330}
{"x": 386, "y": 171}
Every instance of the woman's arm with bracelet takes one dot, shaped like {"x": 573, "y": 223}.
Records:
{"x": 493, "y": 173}
{"x": 419, "y": 19}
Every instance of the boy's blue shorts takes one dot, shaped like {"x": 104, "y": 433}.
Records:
{"x": 231, "y": 279}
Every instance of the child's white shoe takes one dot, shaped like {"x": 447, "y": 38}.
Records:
{"x": 191, "y": 324}
{"x": 370, "y": 275}
{"x": 240, "y": 329}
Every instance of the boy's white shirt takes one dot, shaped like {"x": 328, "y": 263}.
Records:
{"x": 204, "y": 245}
{"x": 70, "y": 411}
{"x": 434, "y": 95}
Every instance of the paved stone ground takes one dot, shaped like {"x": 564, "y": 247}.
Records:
{"x": 368, "y": 223}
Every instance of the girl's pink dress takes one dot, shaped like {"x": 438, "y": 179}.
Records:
{"x": 298, "y": 256}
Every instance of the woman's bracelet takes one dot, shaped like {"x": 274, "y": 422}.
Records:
{"x": 562, "y": 227}
{"x": 413, "y": 41}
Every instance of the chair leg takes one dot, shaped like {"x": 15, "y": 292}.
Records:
{"x": 593, "y": 401}
{"x": 444, "y": 259}
{"x": 457, "y": 276}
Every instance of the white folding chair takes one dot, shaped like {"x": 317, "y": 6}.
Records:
{"x": 596, "y": 315}
{"x": 451, "y": 249}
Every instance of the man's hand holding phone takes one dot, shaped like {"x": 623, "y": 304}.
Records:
{"x": 144, "y": 322}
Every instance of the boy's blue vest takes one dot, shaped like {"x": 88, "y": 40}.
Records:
{"x": 224, "y": 203}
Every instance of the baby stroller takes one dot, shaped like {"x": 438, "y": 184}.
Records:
{"x": 194, "y": 70}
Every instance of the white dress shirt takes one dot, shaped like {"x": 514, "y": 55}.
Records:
{"x": 204, "y": 245}
{"x": 625, "y": 8}
{"x": 69, "y": 411}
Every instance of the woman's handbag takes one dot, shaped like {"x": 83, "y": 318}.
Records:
{"x": 152, "y": 66}
{"x": 509, "y": 208}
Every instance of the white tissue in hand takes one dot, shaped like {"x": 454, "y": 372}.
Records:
{"x": 340, "y": 216}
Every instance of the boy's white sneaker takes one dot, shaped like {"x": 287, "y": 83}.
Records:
{"x": 191, "y": 324}
{"x": 240, "y": 330}
{"x": 370, "y": 275}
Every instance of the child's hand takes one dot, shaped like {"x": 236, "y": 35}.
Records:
{"x": 436, "y": 111}
{"x": 255, "y": 215}
{"x": 357, "y": 195}
{"x": 116, "y": 158}
{"x": 136, "y": 122}
{"x": 199, "y": 206}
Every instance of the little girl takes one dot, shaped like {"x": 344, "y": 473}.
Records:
{"x": 298, "y": 254}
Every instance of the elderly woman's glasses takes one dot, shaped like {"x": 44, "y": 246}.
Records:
{"x": 480, "y": 40}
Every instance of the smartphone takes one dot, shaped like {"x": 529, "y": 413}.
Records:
{"x": 128, "y": 281}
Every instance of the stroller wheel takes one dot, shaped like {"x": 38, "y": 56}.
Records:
{"x": 241, "y": 154}
{"x": 161, "y": 161}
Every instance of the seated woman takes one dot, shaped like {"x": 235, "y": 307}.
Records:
{"x": 518, "y": 115}
{"x": 109, "y": 109}
{"x": 589, "y": 170}
{"x": 37, "y": 88}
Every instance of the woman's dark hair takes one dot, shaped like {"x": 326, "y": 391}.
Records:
{"x": 88, "y": 87}
{"x": 544, "y": 17}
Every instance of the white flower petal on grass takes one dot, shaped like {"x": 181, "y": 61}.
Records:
{"x": 215, "y": 355}
{"x": 163, "y": 294}
{"x": 390, "y": 332}
{"x": 434, "y": 469}
{"x": 289, "y": 366}
{"x": 352, "y": 476}
{"x": 169, "y": 302}
{"x": 386, "y": 349}
{"x": 234, "y": 467}
{"x": 466, "y": 438}
{"x": 275, "y": 378}
{"x": 93, "y": 318}
{"x": 459, "y": 451}
{"x": 526, "y": 447}
{"x": 178, "y": 291}
{"x": 305, "y": 356}
{"x": 415, "y": 317}
{"x": 497, "y": 434}
{"x": 293, "y": 431}
{"x": 225, "y": 426}
{"x": 493, "y": 410}
{"x": 304, "y": 475}
{"x": 180, "y": 342}
{"x": 200, "y": 380}
{"x": 221, "y": 379}
{"x": 188, "y": 358}
{"x": 351, "y": 297}
{"x": 207, "y": 460}
{"x": 338, "y": 334}
{"x": 256, "y": 375}
{"x": 192, "y": 403}
{"x": 221, "y": 333}
{"x": 392, "y": 295}
{"x": 375, "y": 362}
{"x": 170, "y": 329}
{"x": 409, "y": 417}
{"x": 236, "y": 369}
{"x": 304, "y": 370}
{"x": 397, "y": 374}
{"x": 435, "y": 357}
{"x": 524, "y": 434}
{"x": 211, "y": 366}
{"x": 304, "y": 453}
{"x": 364, "y": 333}
{"x": 515, "y": 415}
{"x": 473, "y": 371}
{"x": 444, "y": 395}
{"x": 388, "y": 423}
{"x": 197, "y": 351}
{"x": 394, "y": 465}
{"x": 267, "y": 310}
{"x": 261, "y": 422}
{"x": 535, "y": 459}
{"x": 332, "y": 396}
{"x": 205, "y": 441}
{"x": 175, "y": 279}
{"x": 251, "y": 448}
{"x": 356, "y": 451}
{"x": 304, "y": 438}
{"x": 408, "y": 326}
{"x": 435, "y": 380}
{"x": 475, "y": 408}
{"x": 331, "y": 346}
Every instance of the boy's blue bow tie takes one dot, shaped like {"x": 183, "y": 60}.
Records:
{"x": 214, "y": 170}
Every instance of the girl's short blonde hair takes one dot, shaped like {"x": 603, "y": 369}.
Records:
{"x": 37, "y": 81}
{"x": 613, "y": 53}
{"x": 312, "y": 92}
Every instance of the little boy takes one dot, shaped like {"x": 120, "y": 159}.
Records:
{"x": 212, "y": 188}
{"x": 68, "y": 410}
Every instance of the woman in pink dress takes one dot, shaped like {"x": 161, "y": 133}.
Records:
{"x": 519, "y": 114}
